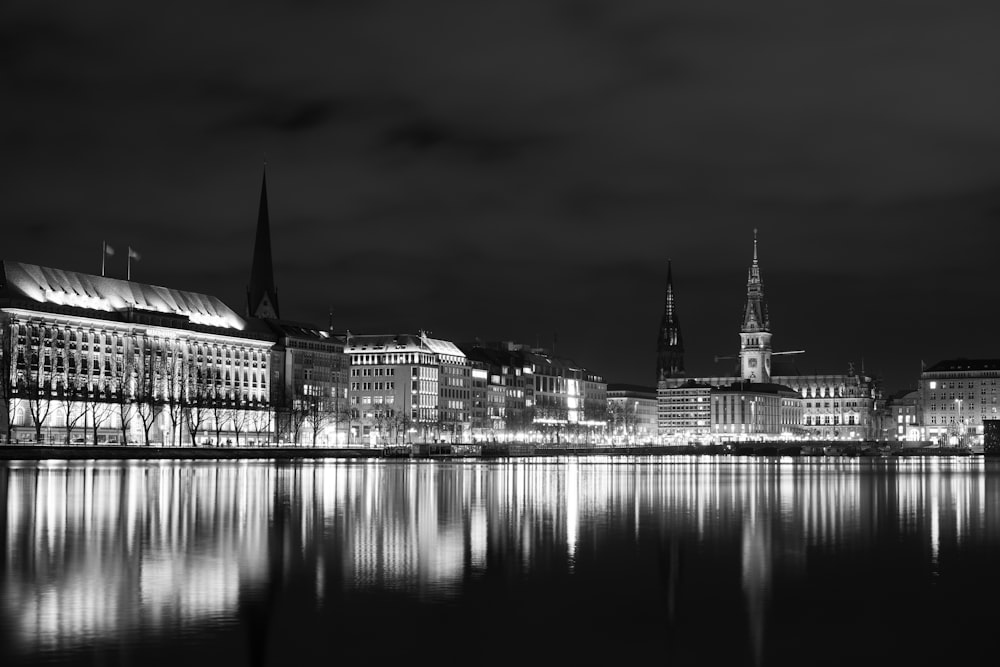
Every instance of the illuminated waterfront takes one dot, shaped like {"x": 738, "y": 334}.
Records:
{"x": 715, "y": 560}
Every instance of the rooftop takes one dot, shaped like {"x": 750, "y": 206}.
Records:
{"x": 964, "y": 365}
{"x": 29, "y": 284}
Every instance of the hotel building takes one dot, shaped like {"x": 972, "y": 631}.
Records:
{"x": 101, "y": 360}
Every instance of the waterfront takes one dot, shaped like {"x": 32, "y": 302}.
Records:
{"x": 678, "y": 560}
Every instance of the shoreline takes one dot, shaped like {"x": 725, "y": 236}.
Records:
{"x": 445, "y": 452}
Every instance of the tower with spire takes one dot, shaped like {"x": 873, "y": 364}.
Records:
{"x": 262, "y": 297}
{"x": 755, "y": 336}
{"x": 670, "y": 345}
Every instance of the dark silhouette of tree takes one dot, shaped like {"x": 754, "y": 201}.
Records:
{"x": 7, "y": 386}
{"x": 35, "y": 383}
{"x": 121, "y": 383}
{"x": 70, "y": 396}
{"x": 195, "y": 401}
{"x": 147, "y": 396}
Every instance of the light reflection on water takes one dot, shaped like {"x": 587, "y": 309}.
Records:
{"x": 139, "y": 554}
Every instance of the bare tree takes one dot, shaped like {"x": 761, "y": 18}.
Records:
{"x": 100, "y": 410}
{"x": 36, "y": 382}
{"x": 148, "y": 405}
{"x": 122, "y": 382}
{"x": 174, "y": 375}
{"x": 220, "y": 413}
{"x": 260, "y": 422}
{"x": 297, "y": 414}
{"x": 239, "y": 419}
{"x": 7, "y": 386}
{"x": 196, "y": 402}
{"x": 69, "y": 401}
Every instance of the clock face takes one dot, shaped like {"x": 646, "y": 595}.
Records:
{"x": 767, "y": 363}
{"x": 753, "y": 363}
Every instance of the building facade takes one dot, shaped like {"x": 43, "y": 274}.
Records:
{"x": 406, "y": 388}
{"x": 547, "y": 399}
{"x": 632, "y": 414}
{"x": 101, "y": 360}
{"x": 956, "y": 398}
{"x": 755, "y": 411}
{"x": 684, "y": 412}
{"x": 902, "y": 423}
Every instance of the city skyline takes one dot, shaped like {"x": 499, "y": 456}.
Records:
{"x": 525, "y": 172}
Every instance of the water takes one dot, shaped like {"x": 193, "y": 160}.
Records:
{"x": 593, "y": 561}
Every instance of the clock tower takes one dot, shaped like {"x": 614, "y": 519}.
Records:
{"x": 755, "y": 336}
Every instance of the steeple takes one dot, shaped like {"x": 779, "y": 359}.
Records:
{"x": 262, "y": 297}
{"x": 755, "y": 317}
{"x": 755, "y": 335}
{"x": 670, "y": 345}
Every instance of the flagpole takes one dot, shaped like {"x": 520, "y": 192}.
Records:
{"x": 128, "y": 270}
{"x": 104, "y": 254}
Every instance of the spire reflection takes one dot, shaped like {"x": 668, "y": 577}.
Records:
{"x": 101, "y": 550}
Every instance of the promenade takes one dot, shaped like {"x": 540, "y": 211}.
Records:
{"x": 31, "y": 452}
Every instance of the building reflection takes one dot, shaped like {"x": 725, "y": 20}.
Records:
{"x": 94, "y": 551}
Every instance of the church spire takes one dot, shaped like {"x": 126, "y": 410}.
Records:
{"x": 755, "y": 317}
{"x": 262, "y": 297}
{"x": 670, "y": 346}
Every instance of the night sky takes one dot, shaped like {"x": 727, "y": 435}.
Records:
{"x": 524, "y": 169}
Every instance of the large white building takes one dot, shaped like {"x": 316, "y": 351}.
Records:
{"x": 92, "y": 359}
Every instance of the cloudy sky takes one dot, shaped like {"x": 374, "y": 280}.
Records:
{"x": 524, "y": 169}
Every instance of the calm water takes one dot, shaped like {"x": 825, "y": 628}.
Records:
{"x": 673, "y": 561}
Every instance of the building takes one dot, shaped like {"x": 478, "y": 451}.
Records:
{"x": 632, "y": 417}
{"x": 956, "y": 397}
{"x": 406, "y": 388}
{"x": 755, "y": 411}
{"x": 902, "y": 423}
{"x": 684, "y": 412}
{"x": 102, "y": 360}
{"x": 548, "y": 399}
{"x": 308, "y": 384}
{"x": 836, "y": 405}
{"x": 509, "y": 388}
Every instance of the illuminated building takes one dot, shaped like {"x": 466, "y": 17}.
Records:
{"x": 548, "y": 399}
{"x": 508, "y": 387}
{"x": 407, "y": 388}
{"x": 747, "y": 410}
{"x": 956, "y": 397}
{"x": 309, "y": 384}
{"x": 683, "y": 412}
{"x": 835, "y": 405}
{"x": 632, "y": 414}
{"x": 102, "y": 360}
{"x": 903, "y": 417}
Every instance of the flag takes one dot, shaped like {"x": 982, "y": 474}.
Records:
{"x": 132, "y": 254}
{"x": 108, "y": 250}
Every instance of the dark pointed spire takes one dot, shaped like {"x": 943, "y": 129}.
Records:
{"x": 755, "y": 317}
{"x": 670, "y": 346}
{"x": 262, "y": 297}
